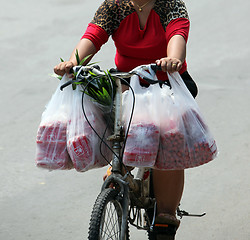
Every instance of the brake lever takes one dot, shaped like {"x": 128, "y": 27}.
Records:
{"x": 154, "y": 67}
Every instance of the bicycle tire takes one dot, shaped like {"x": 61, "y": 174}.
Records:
{"x": 106, "y": 217}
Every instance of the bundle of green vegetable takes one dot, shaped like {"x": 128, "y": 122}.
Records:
{"x": 100, "y": 89}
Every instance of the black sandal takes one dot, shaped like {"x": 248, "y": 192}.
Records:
{"x": 165, "y": 227}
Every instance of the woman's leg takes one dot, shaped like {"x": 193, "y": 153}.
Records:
{"x": 168, "y": 189}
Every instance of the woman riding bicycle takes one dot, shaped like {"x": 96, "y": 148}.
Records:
{"x": 144, "y": 31}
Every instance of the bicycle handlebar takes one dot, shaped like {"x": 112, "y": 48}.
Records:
{"x": 96, "y": 70}
{"x": 83, "y": 72}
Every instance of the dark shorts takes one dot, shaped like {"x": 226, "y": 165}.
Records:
{"x": 189, "y": 82}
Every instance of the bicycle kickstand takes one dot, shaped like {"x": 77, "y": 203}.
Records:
{"x": 182, "y": 213}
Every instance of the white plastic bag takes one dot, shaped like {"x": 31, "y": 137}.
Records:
{"x": 185, "y": 140}
{"x": 84, "y": 146}
{"x": 143, "y": 137}
{"x": 51, "y": 151}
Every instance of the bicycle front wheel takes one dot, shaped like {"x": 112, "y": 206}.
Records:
{"x": 106, "y": 217}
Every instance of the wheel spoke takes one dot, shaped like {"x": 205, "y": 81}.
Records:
{"x": 106, "y": 218}
{"x": 110, "y": 228}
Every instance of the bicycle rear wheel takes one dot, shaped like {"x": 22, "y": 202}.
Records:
{"x": 106, "y": 217}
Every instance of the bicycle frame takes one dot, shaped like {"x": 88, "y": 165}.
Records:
{"x": 118, "y": 176}
{"x": 130, "y": 188}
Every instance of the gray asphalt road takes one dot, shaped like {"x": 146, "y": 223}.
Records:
{"x": 42, "y": 205}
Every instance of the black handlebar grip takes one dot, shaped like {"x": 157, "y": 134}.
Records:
{"x": 155, "y": 67}
{"x": 66, "y": 84}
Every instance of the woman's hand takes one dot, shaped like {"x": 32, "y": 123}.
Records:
{"x": 64, "y": 67}
{"x": 176, "y": 54}
{"x": 85, "y": 48}
{"x": 169, "y": 64}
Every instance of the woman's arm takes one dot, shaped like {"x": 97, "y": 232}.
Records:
{"x": 176, "y": 54}
{"x": 85, "y": 48}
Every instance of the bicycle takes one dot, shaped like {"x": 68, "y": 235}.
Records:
{"x": 124, "y": 199}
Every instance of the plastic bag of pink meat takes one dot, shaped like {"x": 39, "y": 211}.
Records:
{"x": 85, "y": 148}
{"x": 51, "y": 147}
{"x": 185, "y": 140}
{"x": 142, "y": 144}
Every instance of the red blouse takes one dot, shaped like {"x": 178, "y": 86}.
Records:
{"x": 136, "y": 46}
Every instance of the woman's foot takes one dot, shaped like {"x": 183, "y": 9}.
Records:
{"x": 166, "y": 226}
{"x": 165, "y": 218}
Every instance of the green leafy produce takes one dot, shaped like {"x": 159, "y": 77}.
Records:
{"x": 100, "y": 89}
